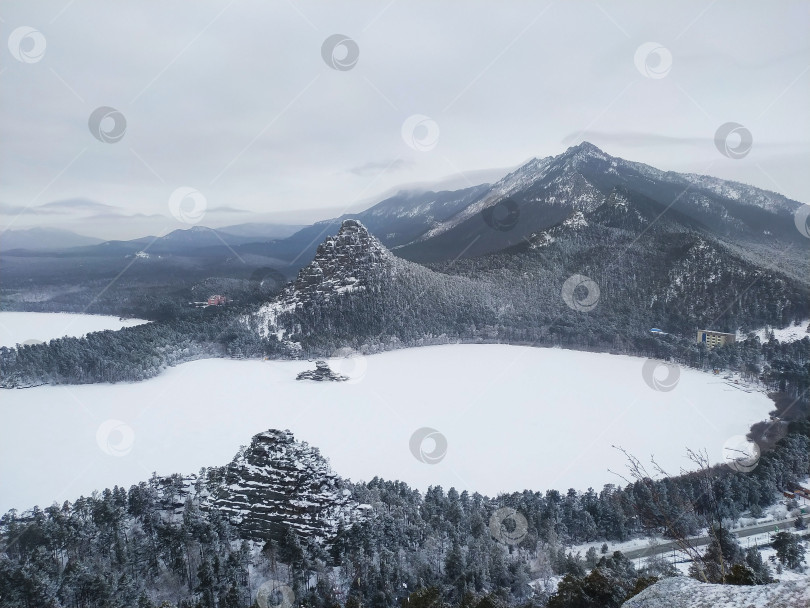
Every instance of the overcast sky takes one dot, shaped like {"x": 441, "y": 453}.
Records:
{"x": 237, "y": 100}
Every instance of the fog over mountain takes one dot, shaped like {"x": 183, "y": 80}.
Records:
{"x": 269, "y": 128}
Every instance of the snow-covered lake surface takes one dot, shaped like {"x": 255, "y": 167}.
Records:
{"x": 19, "y": 327}
{"x": 513, "y": 418}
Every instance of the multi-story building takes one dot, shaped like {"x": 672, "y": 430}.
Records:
{"x": 715, "y": 338}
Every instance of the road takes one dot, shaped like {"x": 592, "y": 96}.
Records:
{"x": 786, "y": 525}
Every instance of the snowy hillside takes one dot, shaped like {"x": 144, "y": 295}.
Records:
{"x": 791, "y": 333}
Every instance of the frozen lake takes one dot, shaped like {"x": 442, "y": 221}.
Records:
{"x": 512, "y": 418}
{"x": 19, "y": 327}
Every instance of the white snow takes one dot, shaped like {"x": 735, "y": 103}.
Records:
{"x": 685, "y": 592}
{"x": 791, "y": 333}
{"x": 18, "y": 327}
{"x": 513, "y": 417}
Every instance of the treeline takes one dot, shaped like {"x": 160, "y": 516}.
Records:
{"x": 132, "y": 353}
{"x": 372, "y": 324}
{"x": 151, "y": 546}
{"x": 678, "y": 281}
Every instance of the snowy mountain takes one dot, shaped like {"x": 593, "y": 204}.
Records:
{"x": 653, "y": 265}
{"x": 37, "y": 239}
{"x": 261, "y": 230}
{"x": 395, "y": 221}
{"x": 355, "y": 281}
{"x": 428, "y": 226}
{"x": 348, "y": 262}
{"x": 545, "y": 191}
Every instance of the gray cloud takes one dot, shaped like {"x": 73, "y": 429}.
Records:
{"x": 632, "y": 139}
{"x": 226, "y": 209}
{"x": 73, "y": 205}
{"x": 236, "y": 101}
{"x": 373, "y": 168}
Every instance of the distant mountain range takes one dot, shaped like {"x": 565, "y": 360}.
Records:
{"x": 655, "y": 237}
{"x": 38, "y": 239}
{"x": 429, "y": 226}
{"x": 424, "y": 225}
{"x": 650, "y": 249}
{"x": 178, "y": 241}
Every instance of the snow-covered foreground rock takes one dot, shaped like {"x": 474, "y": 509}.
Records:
{"x": 684, "y": 592}
{"x": 19, "y": 327}
{"x": 511, "y": 417}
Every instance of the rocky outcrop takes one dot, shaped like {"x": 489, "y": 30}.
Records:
{"x": 342, "y": 263}
{"x": 278, "y": 483}
{"x": 351, "y": 261}
{"x": 684, "y": 592}
{"x": 321, "y": 373}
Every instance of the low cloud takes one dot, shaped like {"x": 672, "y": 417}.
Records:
{"x": 632, "y": 139}
{"x": 371, "y": 168}
{"x": 74, "y": 205}
{"x": 226, "y": 209}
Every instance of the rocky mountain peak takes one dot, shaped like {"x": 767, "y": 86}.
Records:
{"x": 277, "y": 483}
{"x": 350, "y": 261}
{"x": 343, "y": 262}
{"x": 585, "y": 148}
